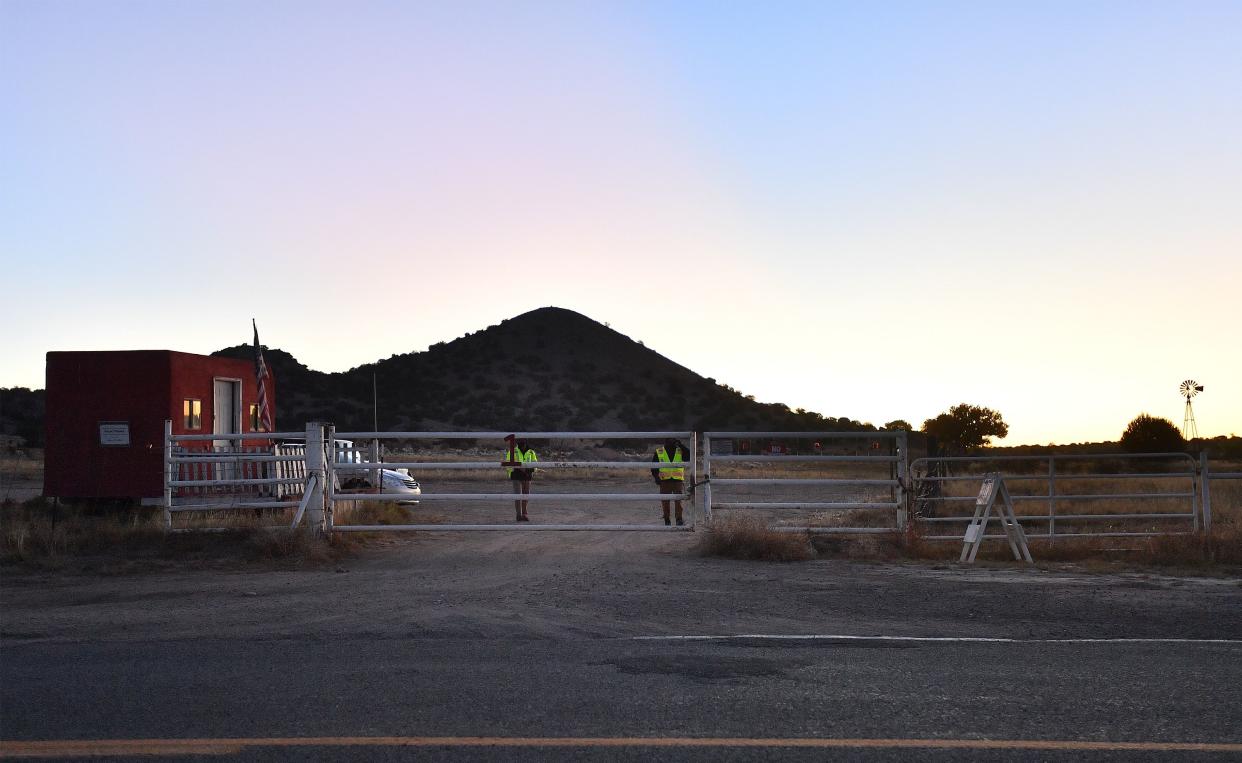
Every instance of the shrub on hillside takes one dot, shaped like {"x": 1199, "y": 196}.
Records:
{"x": 1151, "y": 434}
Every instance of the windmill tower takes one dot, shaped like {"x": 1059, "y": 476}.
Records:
{"x": 1189, "y": 389}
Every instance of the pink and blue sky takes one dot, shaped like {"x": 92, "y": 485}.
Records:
{"x": 869, "y": 209}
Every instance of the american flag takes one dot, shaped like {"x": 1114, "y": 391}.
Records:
{"x": 263, "y": 375}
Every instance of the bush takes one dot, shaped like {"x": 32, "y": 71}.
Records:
{"x": 750, "y": 538}
{"x": 1151, "y": 434}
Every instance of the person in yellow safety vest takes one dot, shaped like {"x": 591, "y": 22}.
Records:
{"x": 520, "y": 478}
{"x": 670, "y": 480}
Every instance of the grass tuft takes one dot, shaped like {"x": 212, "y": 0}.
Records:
{"x": 750, "y": 538}
{"x": 373, "y": 513}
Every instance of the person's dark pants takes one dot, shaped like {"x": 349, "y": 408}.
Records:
{"x": 671, "y": 486}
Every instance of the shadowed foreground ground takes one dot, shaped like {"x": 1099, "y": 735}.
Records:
{"x": 498, "y": 645}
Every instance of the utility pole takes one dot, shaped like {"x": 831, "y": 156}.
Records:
{"x": 375, "y": 444}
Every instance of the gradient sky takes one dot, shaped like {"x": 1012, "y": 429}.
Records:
{"x": 874, "y": 210}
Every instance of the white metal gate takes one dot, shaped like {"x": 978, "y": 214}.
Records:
{"x": 480, "y": 465}
{"x": 287, "y": 470}
{"x": 221, "y": 472}
{"x": 1121, "y": 494}
{"x": 881, "y": 457}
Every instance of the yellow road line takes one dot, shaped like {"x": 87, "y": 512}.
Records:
{"x": 131, "y": 747}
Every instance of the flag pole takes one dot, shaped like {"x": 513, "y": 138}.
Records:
{"x": 375, "y": 423}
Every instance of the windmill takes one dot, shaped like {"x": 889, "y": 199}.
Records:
{"x": 1189, "y": 389}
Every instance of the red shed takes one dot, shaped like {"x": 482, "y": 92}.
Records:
{"x": 106, "y": 412}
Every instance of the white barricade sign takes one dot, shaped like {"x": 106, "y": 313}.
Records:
{"x": 994, "y": 495}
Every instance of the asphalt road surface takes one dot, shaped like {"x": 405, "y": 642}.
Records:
{"x": 590, "y": 646}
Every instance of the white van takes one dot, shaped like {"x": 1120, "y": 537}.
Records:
{"x": 396, "y": 481}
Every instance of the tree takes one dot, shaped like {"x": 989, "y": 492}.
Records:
{"x": 1151, "y": 434}
{"x": 966, "y": 426}
{"x": 896, "y": 424}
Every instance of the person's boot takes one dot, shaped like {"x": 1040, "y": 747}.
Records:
{"x": 666, "y": 522}
{"x": 680, "y": 522}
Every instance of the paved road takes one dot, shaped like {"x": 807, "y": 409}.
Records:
{"x": 609, "y": 688}
{"x": 441, "y": 649}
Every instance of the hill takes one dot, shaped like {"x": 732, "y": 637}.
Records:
{"x": 549, "y": 369}
{"x": 21, "y": 414}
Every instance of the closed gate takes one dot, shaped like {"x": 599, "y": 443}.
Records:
{"x": 470, "y": 478}
{"x": 817, "y": 482}
{"x": 1064, "y": 495}
{"x": 212, "y": 475}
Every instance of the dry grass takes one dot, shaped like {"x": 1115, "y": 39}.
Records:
{"x": 36, "y": 530}
{"x": 1222, "y": 547}
{"x": 750, "y": 538}
{"x": 38, "y": 534}
{"x": 803, "y": 469}
{"x": 379, "y": 513}
{"x": 21, "y": 474}
{"x": 1227, "y": 500}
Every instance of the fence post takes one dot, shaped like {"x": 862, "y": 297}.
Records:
{"x": 694, "y": 479}
{"x": 1205, "y": 492}
{"x": 903, "y": 468}
{"x": 707, "y": 478}
{"x": 168, "y": 474}
{"x": 315, "y": 466}
{"x": 1052, "y": 496}
{"x": 377, "y": 473}
{"x": 330, "y": 454}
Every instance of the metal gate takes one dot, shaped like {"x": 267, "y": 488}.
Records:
{"x": 206, "y": 474}
{"x": 768, "y": 478}
{"x": 1136, "y": 494}
{"x": 480, "y": 467}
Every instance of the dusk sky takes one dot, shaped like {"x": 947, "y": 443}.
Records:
{"x": 871, "y": 209}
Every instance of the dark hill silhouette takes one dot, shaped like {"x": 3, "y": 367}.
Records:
{"x": 549, "y": 369}
{"x": 21, "y": 414}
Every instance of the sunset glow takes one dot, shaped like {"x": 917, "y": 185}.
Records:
{"x": 872, "y": 211}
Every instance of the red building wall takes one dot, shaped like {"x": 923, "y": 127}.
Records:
{"x": 192, "y": 378}
{"x": 138, "y": 387}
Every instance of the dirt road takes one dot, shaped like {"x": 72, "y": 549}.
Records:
{"x": 560, "y": 585}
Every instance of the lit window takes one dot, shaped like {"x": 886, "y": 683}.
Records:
{"x": 192, "y": 414}
{"x": 255, "y": 424}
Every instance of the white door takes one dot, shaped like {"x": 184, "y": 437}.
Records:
{"x": 226, "y": 413}
{"x": 226, "y": 419}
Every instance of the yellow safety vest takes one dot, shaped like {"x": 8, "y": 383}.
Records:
{"x": 670, "y": 474}
{"x": 518, "y": 455}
